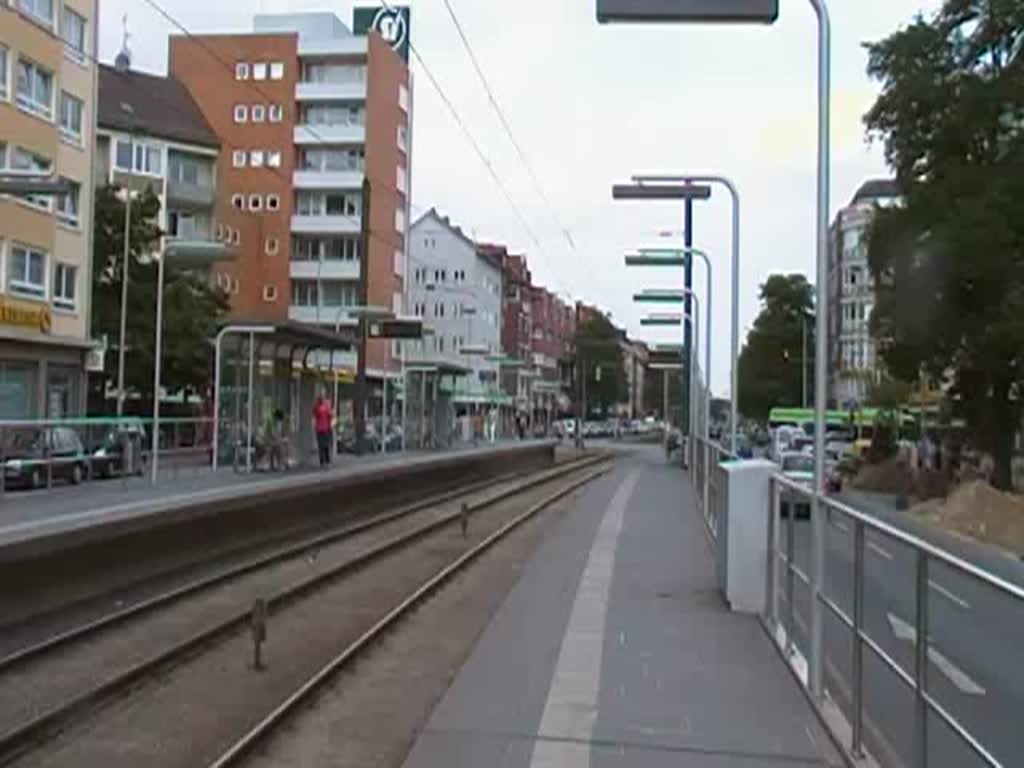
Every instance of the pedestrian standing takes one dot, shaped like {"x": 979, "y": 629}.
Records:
{"x": 323, "y": 419}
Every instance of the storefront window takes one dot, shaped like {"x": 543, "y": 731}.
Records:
{"x": 17, "y": 391}
{"x": 61, "y": 397}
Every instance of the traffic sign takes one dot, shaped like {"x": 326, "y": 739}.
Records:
{"x": 395, "y": 329}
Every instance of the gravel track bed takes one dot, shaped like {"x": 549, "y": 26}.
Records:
{"x": 186, "y": 714}
{"x": 371, "y": 713}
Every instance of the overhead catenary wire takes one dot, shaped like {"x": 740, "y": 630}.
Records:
{"x": 505, "y": 123}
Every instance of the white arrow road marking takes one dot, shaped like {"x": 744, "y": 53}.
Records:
{"x": 952, "y": 596}
{"x": 904, "y": 631}
{"x": 878, "y": 550}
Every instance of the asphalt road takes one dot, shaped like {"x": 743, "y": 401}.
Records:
{"x": 976, "y": 633}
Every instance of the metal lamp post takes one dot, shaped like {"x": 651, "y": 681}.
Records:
{"x": 675, "y": 320}
{"x": 686, "y": 192}
{"x": 362, "y": 314}
{"x": 127, "y": 109}
{"x": 187, "y": 254}
{"x": 765, "y": 12}
{"x": 677, "y": 257}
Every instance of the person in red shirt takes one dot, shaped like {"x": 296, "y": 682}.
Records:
{"x": 323, "y": 421}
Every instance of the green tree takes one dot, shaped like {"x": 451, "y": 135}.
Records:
{"x": 889, "y": 393}
{"x": 192, "y": 307}
{"x": 948, "y": 262}
{"x": 598, "y": 344}
{"x": 772, "y": 359}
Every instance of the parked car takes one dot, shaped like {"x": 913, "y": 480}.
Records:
{"x": 108, "y": 458}
{"x": 32, "y": 455}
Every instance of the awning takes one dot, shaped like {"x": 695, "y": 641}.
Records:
{"x": 296, "y": 334}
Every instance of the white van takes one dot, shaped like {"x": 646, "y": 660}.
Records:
{"x": 782, "y": 441}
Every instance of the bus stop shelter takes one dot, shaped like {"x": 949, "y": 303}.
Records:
{"x": 430, "y": 408}
{"x": 263, "y": 367}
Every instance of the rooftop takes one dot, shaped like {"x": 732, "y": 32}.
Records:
{"x": 160, "y": 106}
{"x": 873, "y": 189}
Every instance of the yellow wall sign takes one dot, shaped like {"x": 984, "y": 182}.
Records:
{"x": 36, "y": 316}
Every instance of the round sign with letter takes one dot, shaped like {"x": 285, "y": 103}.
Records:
{"x": 390, "y": 24}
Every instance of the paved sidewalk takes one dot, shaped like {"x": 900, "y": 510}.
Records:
{"x": 615, "y": 649}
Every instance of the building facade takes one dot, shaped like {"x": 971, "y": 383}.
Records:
{"x": 48, "y": 85}
{"x": 151, "y": 135}
{"x": 307, "y": 113}
{"x": 853, "y": 363}
{"x": 456, "y": 288}
{"x": 553, "y": 334}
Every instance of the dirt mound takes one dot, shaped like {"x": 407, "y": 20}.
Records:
{"x": 978, "y": 510}
{"x": 889, "y": 476}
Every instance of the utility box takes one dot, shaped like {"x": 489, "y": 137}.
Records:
{"x": 742, "y": 509}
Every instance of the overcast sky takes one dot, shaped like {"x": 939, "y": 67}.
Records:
{"x": 592, "y": 105}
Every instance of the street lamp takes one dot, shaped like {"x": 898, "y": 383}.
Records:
{"x": 679, "y": 257}
{"x": 187, "y": 254}
{"x": 363, "y": 314}
{"x": 122, "y": 67}
{"x": 766, "y": 11}
{"x": 686, "y": 191}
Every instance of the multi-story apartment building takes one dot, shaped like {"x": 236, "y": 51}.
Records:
{"x": 634, "y": 360}
{"x": 306, "y": 112}
{"x": 150, "y": 134}
{"x": 456, "y": 287}
{"x": 553, "y": 335}
{"x": 48, "y": 87}
{"x": 853, "y": 364}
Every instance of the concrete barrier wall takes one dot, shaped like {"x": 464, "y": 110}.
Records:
{"x": 51, "y": 571}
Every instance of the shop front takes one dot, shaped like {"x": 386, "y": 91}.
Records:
{"x": 42, "y": 376}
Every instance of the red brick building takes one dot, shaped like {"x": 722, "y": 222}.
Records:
{"x": 305, "y": 110}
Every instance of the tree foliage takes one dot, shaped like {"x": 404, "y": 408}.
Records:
{"x": 948, "y": 262}
{"x": 598, "y": 343}
{"x": 192, "y": 307}
{"x": 772, "y": 359}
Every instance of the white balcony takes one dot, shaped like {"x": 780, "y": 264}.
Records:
{"x": 352, "y": 45}
{"x": 330, "y": 134}
{"x": 327, "y": 179}
{"x": 324, "y": 315}
{"x": 328, "y": 269}
{"x": 353, "y": 90}
{"x": 326, "y": 225}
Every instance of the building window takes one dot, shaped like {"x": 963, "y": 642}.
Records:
{"x": 332, "y": 114}
{"x": 42, "y": 10}
{"x": 274, "y": 159}
{"x": 271, "y": 246}
{"x": 277, "y": 70}
{"x": 403, "y": 97}
{"x": 236, "y": 237}
{"x": 259, "y": 70}
{"x": 241, "y": 113}
{"x": 70, "y": 117}
{"x": 27, "y": 271}
{"x": 23, "y": 161}
{"x": 72, "y": 29}
{"x": 323, "y": 72}
{"x": 3, "y": 71}
{"x": 275, "y": 113}
{"x": 238, "y": 201}
{"x": 255, "y": 203}
{"x": 273, "y": 203}
{"x": 238, "y": 158}
{"x": 327, "y": 160}
{"x": 256, "y": 158}
{"x": 270, "y": 293}
{"x": 35, "y": 89}
{"x": 148, "y": 157}
{"x": 67, "y": 205}
{"x": 399, "y": 220}
{"x": 64, "y": 286}
{"x": 259, "y": 113}
{"x": 241, "y": 71}
{"x": 403, "y": 138}
{"x": 304, "y": 293}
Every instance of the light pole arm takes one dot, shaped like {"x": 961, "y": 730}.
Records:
{"x": 725, "y": 181}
